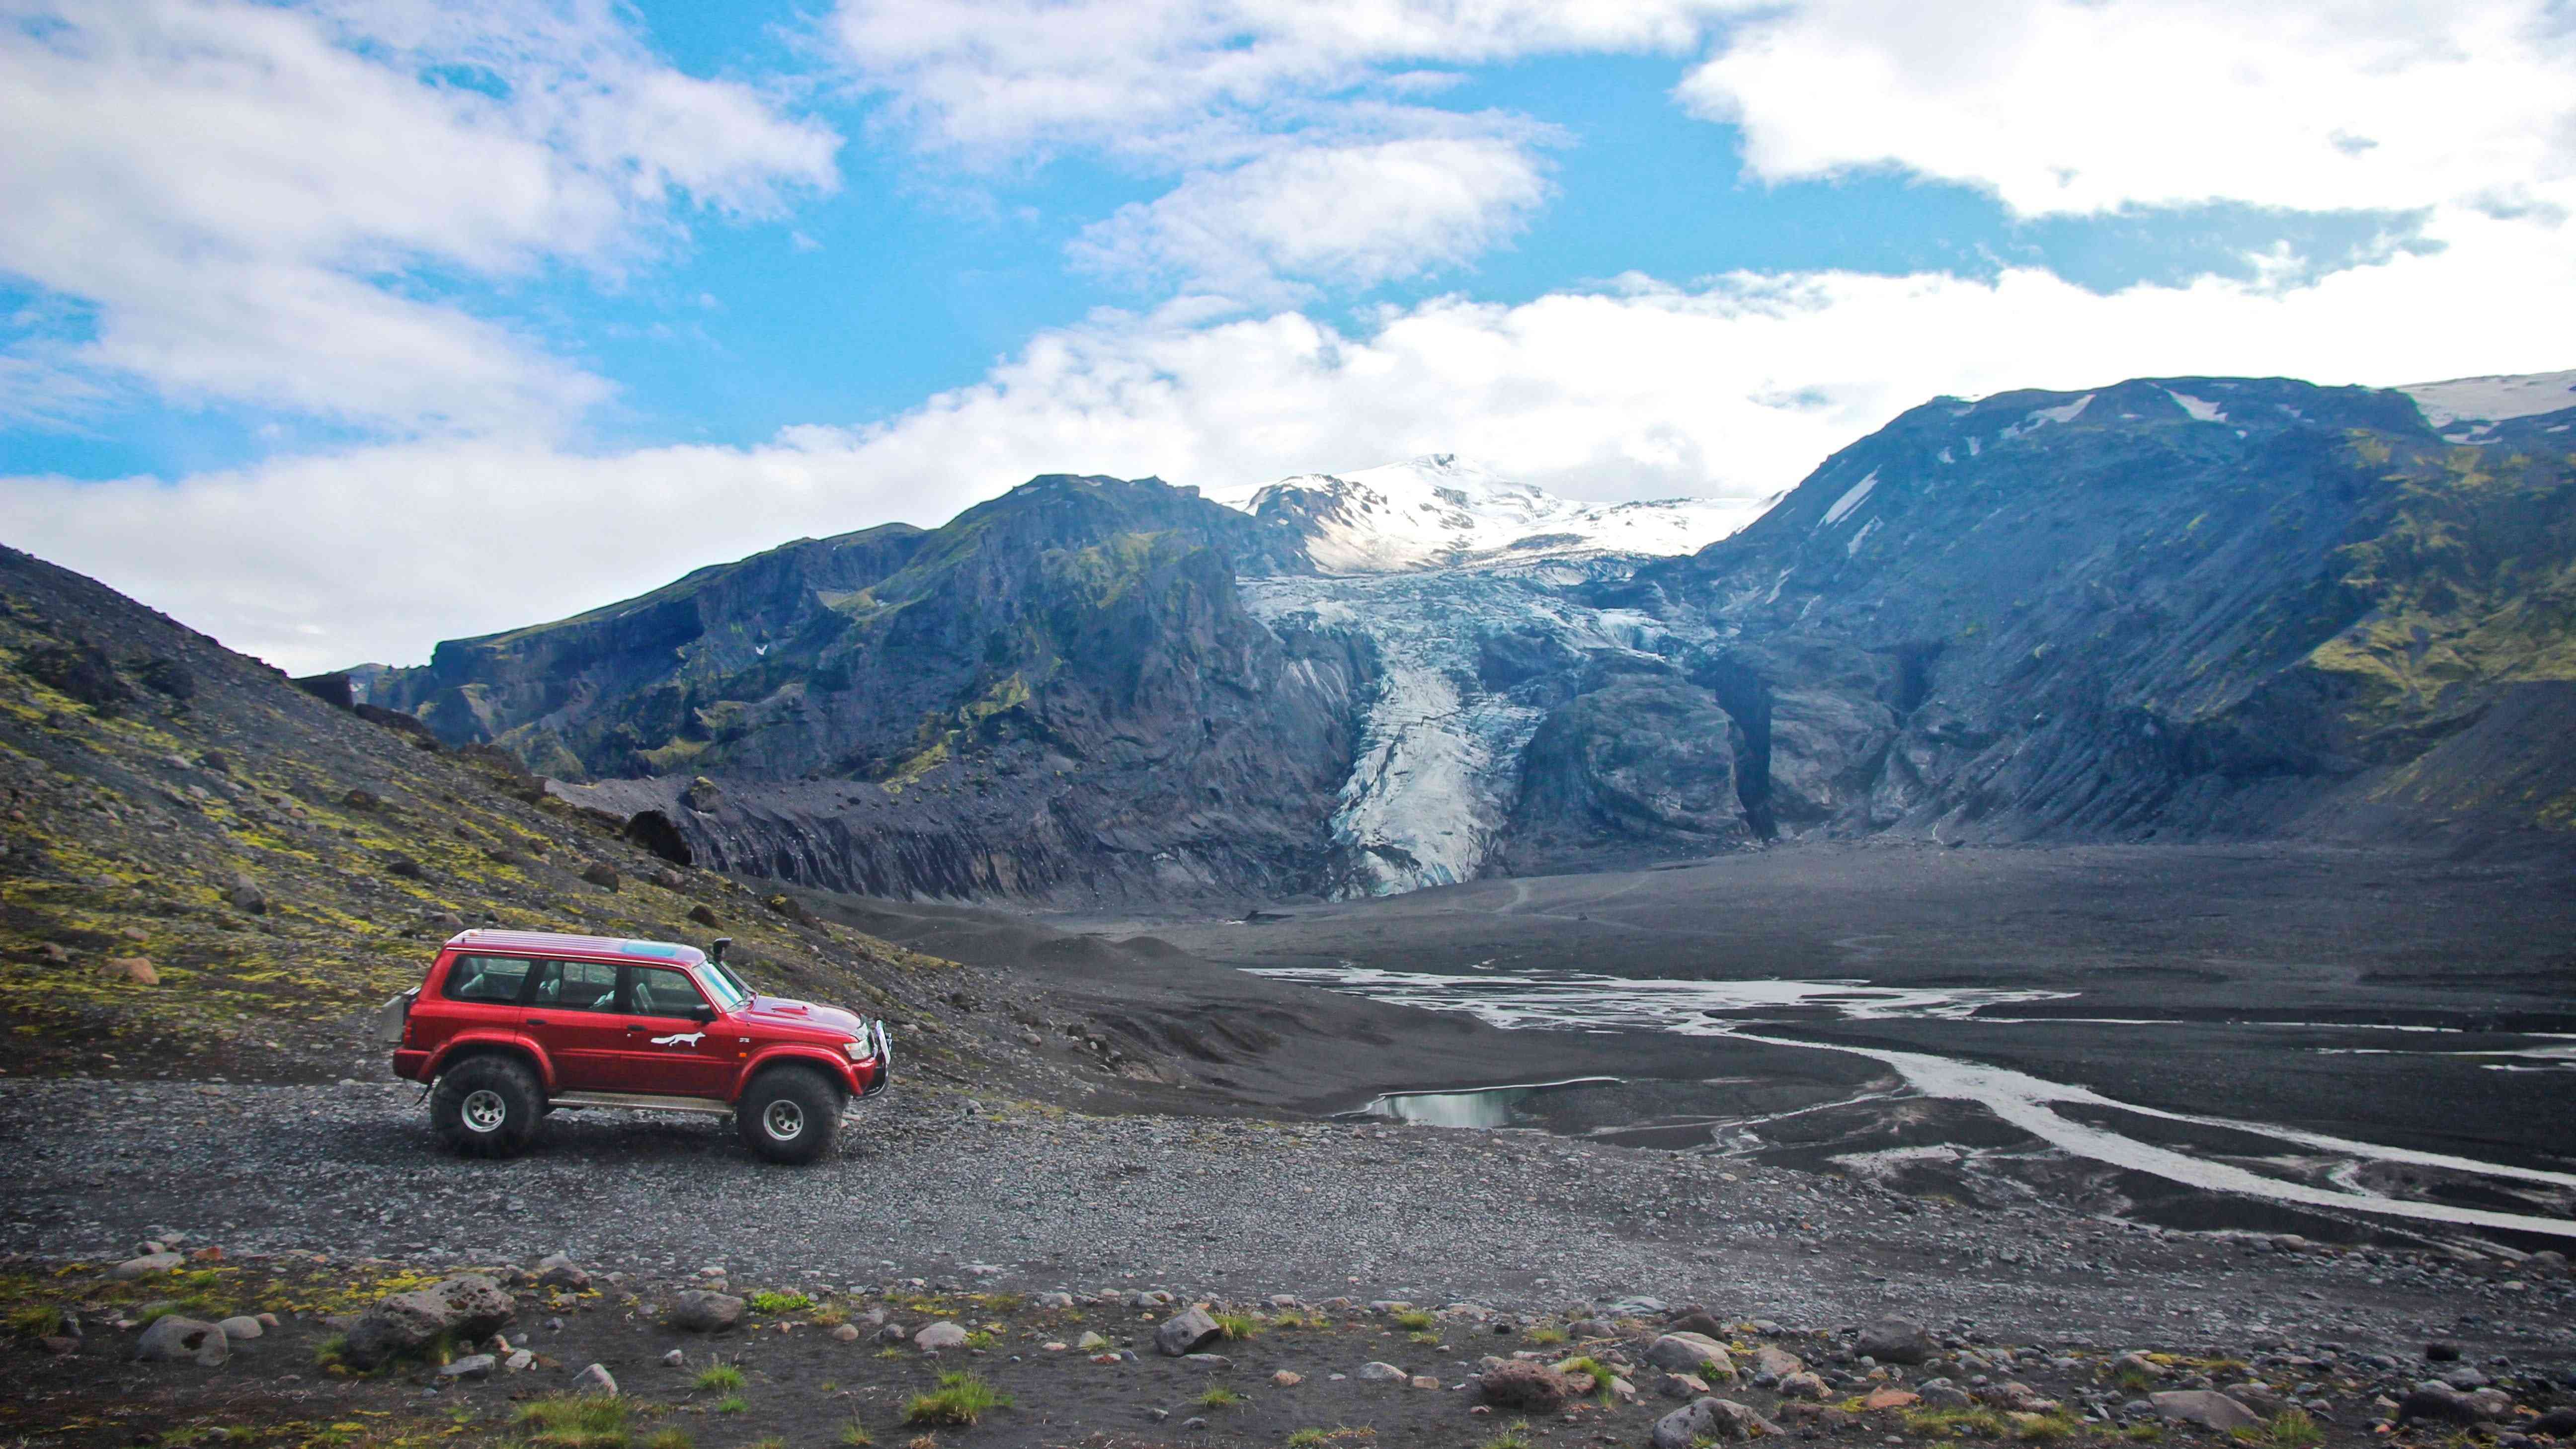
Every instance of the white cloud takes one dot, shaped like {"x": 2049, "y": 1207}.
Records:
{"x": 239, "y": 189}
{"x": 2090, "y": 105}
{"x": 1351, "y": 215}
{"x": 1733, "y": 388}
{"x": 1290, "y": 128}
{"x": 995, "y": 79}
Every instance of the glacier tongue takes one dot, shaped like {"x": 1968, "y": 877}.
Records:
{"x": 1438, "y": 768}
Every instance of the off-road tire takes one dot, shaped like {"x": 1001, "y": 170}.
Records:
{"x": 486, "y": 1107}
{"x": 789, "y": 1114}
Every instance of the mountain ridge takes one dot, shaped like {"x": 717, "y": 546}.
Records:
{"x": 1094, "y": 690}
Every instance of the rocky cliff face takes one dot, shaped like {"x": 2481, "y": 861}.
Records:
{"x": 2197, "y": 606}
{"x": 2190, "y": 605}
{"x": 1059, "y": 695}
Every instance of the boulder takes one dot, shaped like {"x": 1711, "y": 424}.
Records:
{"x": 1691, "y": 1353}
{"x": 595, "y": 1381}
{"x": 402, "y": 1323}
{"x": 846, "y": 1332}
{"x": 1186, "y": 1332}
{"x": 2492, "y": 1405}
{"x": 472, "y": 1366}
{"x": 147, "y": 1264}
{"x": 699, "y": 1310}
{"x": 1287, "y": 1378}
{"x": 477, "y": 1307}
{"x": 1090, "y": 1342}
{"x": 1382, "y": 1373}
{"x": 137, "y": 969}
{"x": 702, "y": 795}
{"x": 2558, "y": 1423}
{"x": 940, "y": 1335}
{"x": 1534, "y": 1387}
{"x": 1803, "y": 1385}
{"x": 1710, "y": 1418}
{"x": 172, "y": 1339}
{"x": 1696, "y": 1320}
{"x": 2435, "y": 1403}
{"x": 1888, "y": 1396}
{"x": 2208, "y": 1408}
{"x": 1778, "y": 1363}
{"x": 600, "y": 874}
{"x": 557, "y": 1270}
{"x": 1896, "y": 1340}
{"x": 1681, "y": 1386}
{"x": 241, "y": 1326}
{"x": 244, "y": 895}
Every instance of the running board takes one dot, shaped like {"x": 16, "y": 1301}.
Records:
{"x": 642, "y": 1101}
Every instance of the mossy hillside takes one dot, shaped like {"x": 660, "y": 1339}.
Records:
{"x": 133, "y": 825}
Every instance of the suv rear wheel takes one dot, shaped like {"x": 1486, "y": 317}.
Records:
{"x": 790, "y": 1114}
{"x": 486, "y": 1107}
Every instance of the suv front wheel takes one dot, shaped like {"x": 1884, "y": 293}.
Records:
{"x": 790, "y": 1114}
{"x": 486, "y": 1107}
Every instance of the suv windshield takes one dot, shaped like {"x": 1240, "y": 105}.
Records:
{"x": 720, "y": 985}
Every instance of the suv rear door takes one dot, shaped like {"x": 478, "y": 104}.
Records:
{"x": 571, "y": 1010}
{"x": 478, "y": 993}
{"x": 670, "y": 1048}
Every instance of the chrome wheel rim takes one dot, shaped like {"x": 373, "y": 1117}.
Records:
{"x": 484, "y": 1111}
{"x": 783, "y": 1120}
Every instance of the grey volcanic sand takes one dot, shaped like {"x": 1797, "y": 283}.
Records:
{"x": 2251, "y": 982}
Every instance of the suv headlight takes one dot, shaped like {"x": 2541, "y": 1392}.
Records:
{"x": 861, "y": 1049}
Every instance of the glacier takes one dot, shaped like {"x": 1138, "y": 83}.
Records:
{"x": 1426, "y": 559}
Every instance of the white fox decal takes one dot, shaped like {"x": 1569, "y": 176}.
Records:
{"x": 690, "y": 1039}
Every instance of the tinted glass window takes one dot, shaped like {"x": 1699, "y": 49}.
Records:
{"x": 576, "y": 986}
{"x": 656, "y": 992}
{"x": 487, "y": 978}
{"x": 721, "y": 986}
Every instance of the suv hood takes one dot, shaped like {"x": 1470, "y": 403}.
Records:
{"x": 784, "y": 1011}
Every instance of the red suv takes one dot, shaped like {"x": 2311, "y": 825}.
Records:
{"x": 511, "y": 1025}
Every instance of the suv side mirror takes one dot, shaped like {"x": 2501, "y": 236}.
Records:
{"x": 702, "y": 1012}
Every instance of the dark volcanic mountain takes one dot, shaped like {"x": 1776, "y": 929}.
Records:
{"x": 2198, "y": 606}
{"x": 1058, "y": 694}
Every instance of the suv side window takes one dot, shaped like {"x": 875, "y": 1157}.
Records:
{"x": 652, "y": 991}
{"x": 493, "y": 980}
{"x": 575, "y": 986}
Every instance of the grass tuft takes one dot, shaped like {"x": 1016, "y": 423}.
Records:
{"x": 578, "y": 1421}
{"x": 1237, "y": 1327}
{"x": 1219, "y": 1397}
{"x": 1544, "y": 1333}
{"x": 856, "y": 1435}
{"x": 773, "y": 1304}
{"x": 1515, "y": 1435}
{"x": 720, "y": 1378}
{"x": 669, "y": 1439}
{"x": 1955, "y": 1424}
{"x": 732, "y": 1404}
{"x": 1415, "y": 1319}
{"x": 962, "y": 1398}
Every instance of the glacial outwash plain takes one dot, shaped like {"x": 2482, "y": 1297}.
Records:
{"x": 2059, "y": 928}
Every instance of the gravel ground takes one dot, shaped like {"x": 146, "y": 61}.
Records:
{"x": 948, "y": 1190}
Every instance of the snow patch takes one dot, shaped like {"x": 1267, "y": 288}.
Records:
{"x": 2492, "y": 399}
{"x": 1864, "y": 532}
{"x": 1442, "y": 511}
{"x": 2042, "y": 417}
{"x": 2201, "y": 411}
{"x": 1843, "y": 506}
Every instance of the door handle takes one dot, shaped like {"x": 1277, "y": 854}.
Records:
{"x": 536, "y": 1021}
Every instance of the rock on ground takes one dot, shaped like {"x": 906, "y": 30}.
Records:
{"x": 1896, "y": 1340}
{"x": 1186, "y": 1333}
{"x": 1710, "y": 1418}
{"x": 696, "y": 1310}
{"x": 172, "y": 1338}
{"x": 2206, "y": 1407}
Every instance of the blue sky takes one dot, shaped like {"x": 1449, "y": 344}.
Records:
{"x": 637, "y": 288}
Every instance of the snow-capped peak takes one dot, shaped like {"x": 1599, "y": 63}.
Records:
{"x": 1441, "y": 511}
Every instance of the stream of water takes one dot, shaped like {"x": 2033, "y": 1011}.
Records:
{"x": 1580, "y": 1001}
